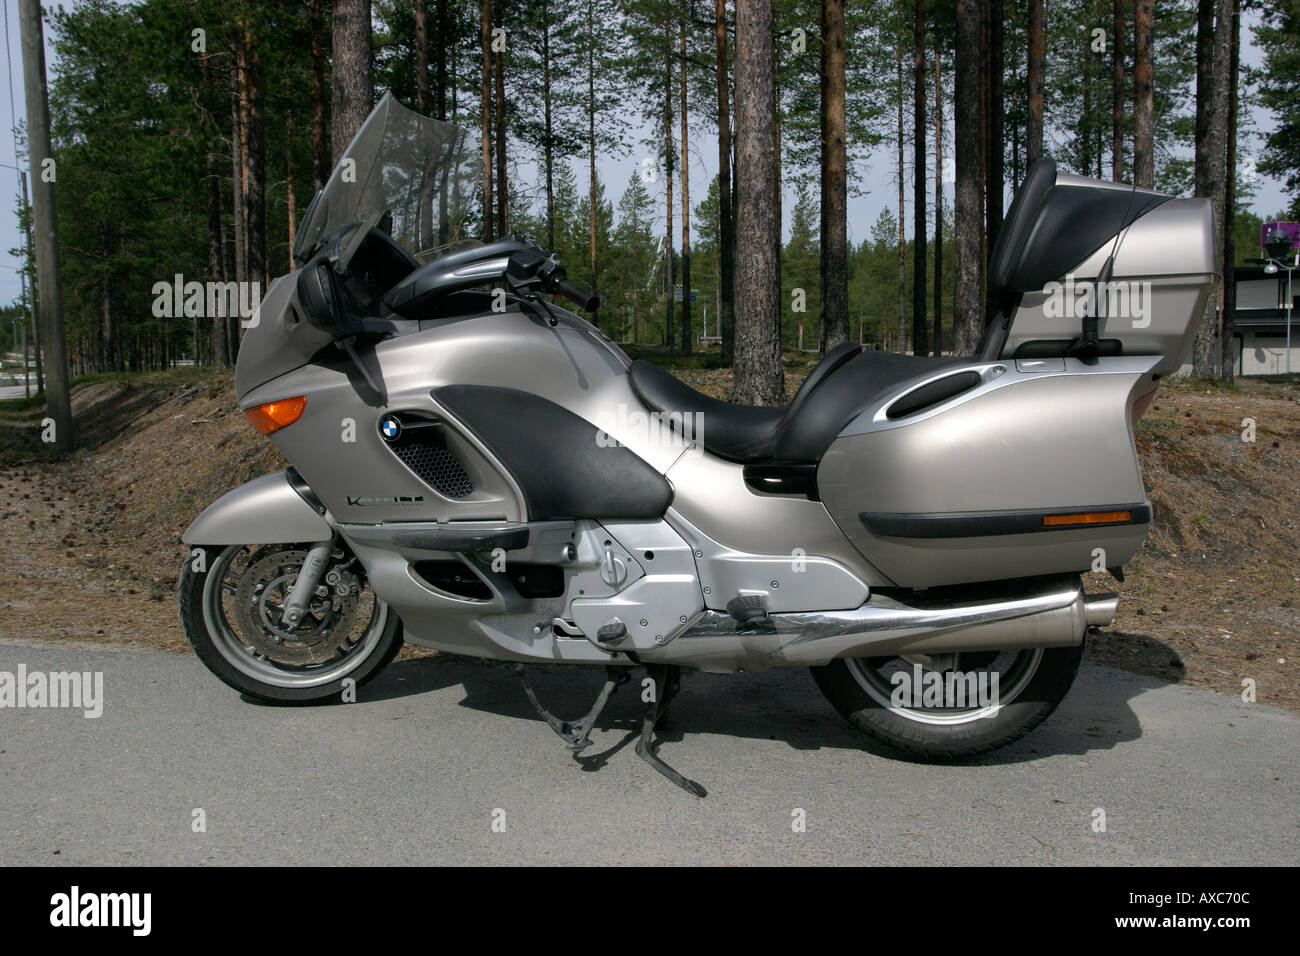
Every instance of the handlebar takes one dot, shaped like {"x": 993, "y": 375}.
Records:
{"x": 587, "y": 301}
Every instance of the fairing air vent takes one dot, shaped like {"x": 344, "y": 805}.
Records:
{"x": 421, "y": 445}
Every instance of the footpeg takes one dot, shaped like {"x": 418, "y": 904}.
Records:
{"x": 611, "y": 634}
{"x": 748, "y": 608}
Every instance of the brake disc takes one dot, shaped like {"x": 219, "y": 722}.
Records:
{"x": 323, "y": 633}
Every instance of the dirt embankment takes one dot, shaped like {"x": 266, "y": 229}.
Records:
{"x": 92, "y": 545}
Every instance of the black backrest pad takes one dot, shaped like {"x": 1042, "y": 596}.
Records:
{"x": 863, "y": 381}
{"x": 1053, "y": 227}
{"x": 1014, "y": 232}
{"x": 832, "y": 362}
{"x": 555, "y": 456}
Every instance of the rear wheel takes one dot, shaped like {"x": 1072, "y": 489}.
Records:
{"x": 231, "y": 602}
{"x": 949, "y": 706}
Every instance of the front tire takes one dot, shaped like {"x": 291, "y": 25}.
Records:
{"x": 229, "y": 602}
{"x": 1031, "y": 684}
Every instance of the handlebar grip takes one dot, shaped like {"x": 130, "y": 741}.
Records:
{"x": 587, "y": 301}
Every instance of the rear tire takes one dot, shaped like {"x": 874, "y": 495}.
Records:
{"x": 232, "y": 623}
{"x": 1033, "y": 685}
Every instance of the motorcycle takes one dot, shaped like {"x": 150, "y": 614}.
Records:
{"x": 478, "y": 470}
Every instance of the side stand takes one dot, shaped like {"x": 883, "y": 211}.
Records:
{"x": 664, "y": 683}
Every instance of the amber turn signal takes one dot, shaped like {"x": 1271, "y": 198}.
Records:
{"x": 1088, "y": 517}
{"x": 275, "y": 415}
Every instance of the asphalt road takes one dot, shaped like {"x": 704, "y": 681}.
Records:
{"x": 419, "y": 768}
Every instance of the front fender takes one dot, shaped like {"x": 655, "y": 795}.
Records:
{"x": 266, "y": 510}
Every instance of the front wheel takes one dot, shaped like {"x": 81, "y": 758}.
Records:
{"x": 941, "y": 707}
{"x": 231, "y": 602}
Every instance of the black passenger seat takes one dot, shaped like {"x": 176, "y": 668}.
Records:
{"x": 838, "y": 389}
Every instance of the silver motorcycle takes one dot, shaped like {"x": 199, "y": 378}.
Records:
{"x": 477, "y": 470}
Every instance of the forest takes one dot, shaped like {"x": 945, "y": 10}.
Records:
{"x": 190, "y": 136}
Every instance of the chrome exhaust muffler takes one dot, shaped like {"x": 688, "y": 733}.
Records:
{"x": 1054, "y": 613}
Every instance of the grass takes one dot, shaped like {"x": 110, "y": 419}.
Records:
{"x": 20, "y": 418}
{"x": 180, "y": 376}
{"x": 664, "y": 357}
{"x": 1186, "y": 383}
{"x": 1159, "y": 428}
{"x": 20, "y": 429}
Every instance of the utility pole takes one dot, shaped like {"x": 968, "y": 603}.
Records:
{"x": 57, "y": 402}
{"x": 31, "y": 306}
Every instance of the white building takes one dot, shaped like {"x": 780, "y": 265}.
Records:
{"x": 1259, "y": 323}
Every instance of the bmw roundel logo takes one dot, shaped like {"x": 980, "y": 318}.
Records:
{"x": 390, "y": 427}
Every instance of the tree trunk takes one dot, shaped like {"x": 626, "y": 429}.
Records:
{"x": 1204, "y": 94}
{"x": 686, "y": 191}
{"x": 290, "y": 200}
{"x": 106, "y": 325}
{"x": 1230, "y": 202}
{"x": 834, "y": 235}
{"x": 237, "y": 169}
{"x": 1211, "y": 156}
{"x": 901, "y": 345}
{"x": 777, "y": 194}
{"x": 670, "y": 154}
{"x": 994, "y": 173}
{"x": 1144, "y": 168}
{"x": 1085, "y": 118}
{"x": 726, "y": 225}
{"x": 823, "y": 141}
{"x": 421, "y": 57}
{"x": 938, "y": 202}
{"x": 440, "y": 59}
{"x": 320, "y": 164}
{"x": 255, "y": 152}
{"x": 920, "y": 326}
{"x": 968, "y": 306}
{"x": 1036, "y": 68}
{"x": 1117, "y": 91}
{"x": 548, "y": 143}
{"x": 759, "y": 377}
{"x": 351, "y": 81}
{"x": 503, "y": 190}
{"x": 485, "y": 115}
{"x": 216, "y": 261}
{"x": 592, "y": 182}
{"x": 1016, "y": 178}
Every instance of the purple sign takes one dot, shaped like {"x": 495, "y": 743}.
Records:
{"x": 1292, "y": 230}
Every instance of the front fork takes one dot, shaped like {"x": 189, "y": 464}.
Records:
{"x": 309, "y": 579}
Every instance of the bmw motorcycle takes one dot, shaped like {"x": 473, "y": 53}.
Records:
{"x": 478, "y": 470}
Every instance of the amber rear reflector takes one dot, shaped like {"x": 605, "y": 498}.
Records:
{"x": 1088, "y": 517}
{"x": 275, "y": 415}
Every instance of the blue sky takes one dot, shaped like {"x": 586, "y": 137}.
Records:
{"x": 879, "y": 181}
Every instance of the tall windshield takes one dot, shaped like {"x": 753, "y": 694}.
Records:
{"x": 421, "y": 170}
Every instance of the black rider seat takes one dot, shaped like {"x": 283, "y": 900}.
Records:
{"x": 839, "y": 388}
